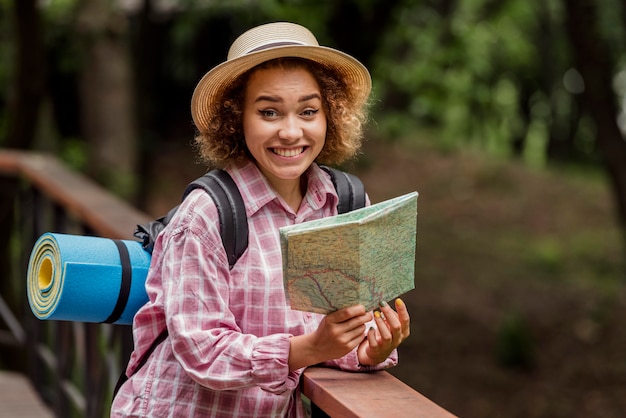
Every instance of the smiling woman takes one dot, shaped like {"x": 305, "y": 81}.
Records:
{"x": 233, "y": 347}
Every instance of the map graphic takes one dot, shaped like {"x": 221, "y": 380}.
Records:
{"x": 361, "y": 257}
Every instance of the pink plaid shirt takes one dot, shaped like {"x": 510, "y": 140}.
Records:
{"x": 228, "y": 345}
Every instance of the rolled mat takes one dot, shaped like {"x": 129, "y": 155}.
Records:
{"x": 87, "y": 279}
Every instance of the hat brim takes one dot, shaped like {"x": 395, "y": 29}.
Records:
{"x": 214, "y": 82}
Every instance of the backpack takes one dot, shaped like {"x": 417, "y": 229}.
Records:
{"x": 234, "y": 222}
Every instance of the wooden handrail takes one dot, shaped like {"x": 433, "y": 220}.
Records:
{"x": 335, "y": 392}
{"x": 362, "y": 395}
{"x": 104, "y": 213}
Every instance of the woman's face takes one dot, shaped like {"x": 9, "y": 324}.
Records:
{"x": 284, "y": 123}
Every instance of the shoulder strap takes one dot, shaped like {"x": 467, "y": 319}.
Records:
{"x": 230, "y": 208}
{"x": 350, "y": 189}
{"x": 123, "y": 378}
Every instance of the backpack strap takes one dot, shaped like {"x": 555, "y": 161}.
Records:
{"x": 350, "y": 189}
{"x": 123, "y": 378}
{"x": 230, "y": 208}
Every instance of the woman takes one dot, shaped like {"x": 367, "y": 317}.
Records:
{"x": 279, "y": 104}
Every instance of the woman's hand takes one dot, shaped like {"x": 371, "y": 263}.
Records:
{"x": 393, "y": 328}
{"x": 337, "y": 334}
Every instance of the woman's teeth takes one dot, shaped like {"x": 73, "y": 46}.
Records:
{"x": 291, "y": 152}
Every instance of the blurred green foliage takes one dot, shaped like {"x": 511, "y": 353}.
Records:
{"x": 462, "y": 71}
{"x": 514, "y": 347}
{"x": 496, "y": 76}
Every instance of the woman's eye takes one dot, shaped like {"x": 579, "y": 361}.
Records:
{"x": 310, "y": 112}
{"x": 268, "y": 113}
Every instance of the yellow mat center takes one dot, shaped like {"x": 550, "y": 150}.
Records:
{"x": 45, "y": 274}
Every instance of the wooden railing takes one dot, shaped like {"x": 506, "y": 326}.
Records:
{"x": 74, "y": 366}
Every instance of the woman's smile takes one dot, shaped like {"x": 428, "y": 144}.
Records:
{"x": 288, "y": 152}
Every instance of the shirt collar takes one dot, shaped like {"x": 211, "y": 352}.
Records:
{"x": 320, "y": 188}
{"x": 257, "y": 192}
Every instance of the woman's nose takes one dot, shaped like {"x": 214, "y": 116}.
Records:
{"x": 290, "y": 129}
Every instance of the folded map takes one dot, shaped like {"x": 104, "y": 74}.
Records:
{"x": 361, "y": 257}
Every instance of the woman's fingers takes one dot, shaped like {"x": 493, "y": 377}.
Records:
{"x": 403, "y": 315}
{"x": 383, "y": 329}
{"x": 371, "y": 338}
{"x": 393, "y": 326}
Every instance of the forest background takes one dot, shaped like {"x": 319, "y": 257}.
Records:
{"x": 508, "y": 116}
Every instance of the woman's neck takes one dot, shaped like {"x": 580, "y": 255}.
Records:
{"x": 291, "y": 191}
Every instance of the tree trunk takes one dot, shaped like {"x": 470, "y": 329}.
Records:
{"x": 351, "y": 26}
{"x": 29, "y": 87}
{"x": 23, "y": 112}
{"x": 147, "y": 53}
{"x": 596, "y": 65}
{"x": 23, "y": 109}
{"x": 107, "y": 97}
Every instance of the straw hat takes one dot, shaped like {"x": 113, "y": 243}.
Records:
{"x": 266, "y": 42}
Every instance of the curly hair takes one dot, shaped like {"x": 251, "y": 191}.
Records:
{"x": 223, "y": 141}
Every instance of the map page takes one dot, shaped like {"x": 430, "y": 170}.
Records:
{"x": 360, "y": 257}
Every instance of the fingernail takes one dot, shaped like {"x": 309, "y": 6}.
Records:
{"x": 382, "y": 303}
{"x": 377, "y": 314}
{"x": 399, "y": 302}
{"x": 371, "y": 329}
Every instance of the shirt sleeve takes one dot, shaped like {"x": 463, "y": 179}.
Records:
{"x": 205, "y": 337}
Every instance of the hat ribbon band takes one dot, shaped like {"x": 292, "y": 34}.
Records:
{"x": 273, "y": 45}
